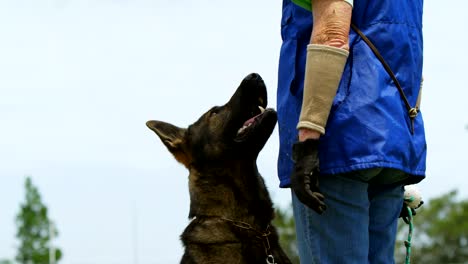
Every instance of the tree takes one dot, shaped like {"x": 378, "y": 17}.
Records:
{"x": 33, "y": 229}
{"x": 284, "y": 223}
{"x": 5, "y": 261}
{"x": 440, "y": 232}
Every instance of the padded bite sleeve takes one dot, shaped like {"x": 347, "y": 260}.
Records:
{"x": 324, "y": 67}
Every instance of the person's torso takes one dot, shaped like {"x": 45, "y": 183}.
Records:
{"x": 368, "y": 124}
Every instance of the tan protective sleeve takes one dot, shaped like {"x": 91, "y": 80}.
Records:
{"x": 324, "y": 67}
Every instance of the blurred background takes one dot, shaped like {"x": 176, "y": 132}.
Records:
{"x": 79, "y": 79}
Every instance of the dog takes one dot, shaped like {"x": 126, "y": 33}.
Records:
{"x": 230, "y": 207}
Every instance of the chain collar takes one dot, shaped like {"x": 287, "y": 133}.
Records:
{"x": 262, "y": 235}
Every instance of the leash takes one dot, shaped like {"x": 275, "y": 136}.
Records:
{"x": 409, "y": 221}
{"x": 259, "y": 234}
{"x": 412, "y": 111}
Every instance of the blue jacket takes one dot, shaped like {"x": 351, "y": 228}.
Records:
{"x": 368, "y": 126}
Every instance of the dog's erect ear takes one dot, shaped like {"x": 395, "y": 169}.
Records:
{"x": 173, "y": 138}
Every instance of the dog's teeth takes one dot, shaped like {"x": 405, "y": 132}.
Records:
{"x": 242, "y": 129}
{"x": 261, "y": 109}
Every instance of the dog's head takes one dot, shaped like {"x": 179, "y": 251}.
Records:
{"x": 235, "y": 131}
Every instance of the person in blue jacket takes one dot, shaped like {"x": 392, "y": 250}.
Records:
{"x": 349, "y": 138}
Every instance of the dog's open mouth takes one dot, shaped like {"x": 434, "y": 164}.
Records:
{"x": 251, "y": 122}
{"x": 249, "y": 126}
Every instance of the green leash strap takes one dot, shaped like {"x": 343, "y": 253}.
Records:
{"x": 409, "y": 221}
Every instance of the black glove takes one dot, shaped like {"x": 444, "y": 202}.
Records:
{"x": 304, "y": 178}
{"x": 404, "y": 214}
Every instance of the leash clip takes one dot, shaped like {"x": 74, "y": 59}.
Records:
{"x": 413, "y": 112}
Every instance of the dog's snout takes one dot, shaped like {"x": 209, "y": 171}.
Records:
{"x": 253, "y": 77}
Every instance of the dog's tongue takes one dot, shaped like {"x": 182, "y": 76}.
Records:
{"x": 251, "y": 120}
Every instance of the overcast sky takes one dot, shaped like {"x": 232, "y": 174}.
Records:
{"x": 79, "y": 79}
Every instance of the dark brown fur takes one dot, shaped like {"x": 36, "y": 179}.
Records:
{"x": 230, "y": 207}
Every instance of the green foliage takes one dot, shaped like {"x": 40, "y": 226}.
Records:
{"x": 284, "y": 223}
{"x": 33, "y": 229}
{"x": 440, "y": 232}
{"x": 5, "y": 261}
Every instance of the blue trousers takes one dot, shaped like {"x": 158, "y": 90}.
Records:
{"x": 358, "y": 227}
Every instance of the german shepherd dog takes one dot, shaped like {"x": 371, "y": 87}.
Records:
{"x": 230, "y": 208}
